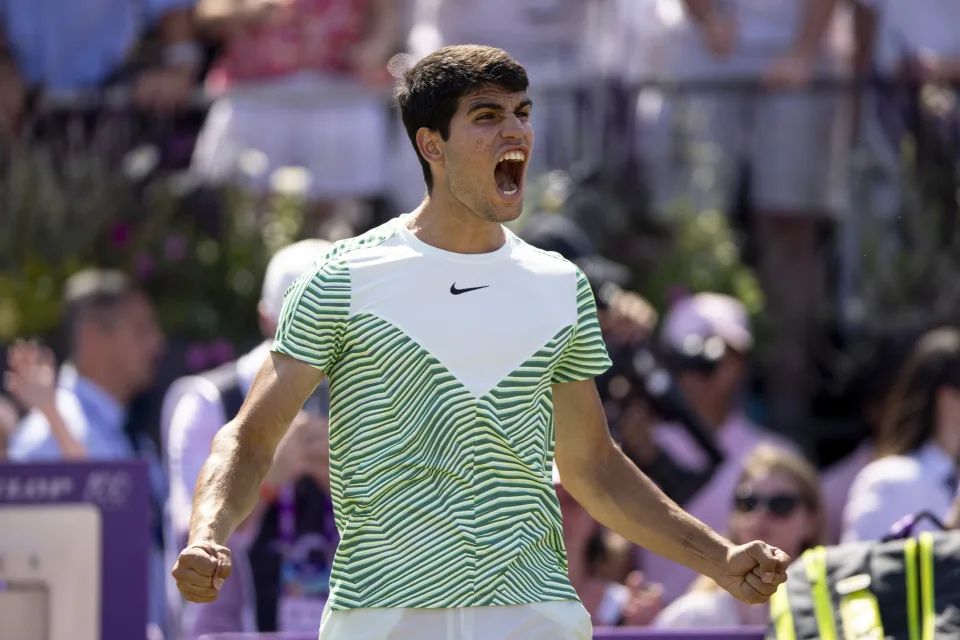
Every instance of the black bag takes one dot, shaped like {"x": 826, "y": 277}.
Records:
{"x": 901, "y": 588}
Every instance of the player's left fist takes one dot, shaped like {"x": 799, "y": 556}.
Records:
{"x": 753, "y": 571}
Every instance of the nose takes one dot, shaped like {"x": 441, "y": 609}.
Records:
{"x": 513, "y": 128}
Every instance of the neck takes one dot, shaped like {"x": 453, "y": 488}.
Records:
{"x": 100, "y": 376}
{"x": 451, "y": 227}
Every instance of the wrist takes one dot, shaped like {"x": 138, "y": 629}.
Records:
{"x": 716, "y": 555}
{"x": 48, "y": 409}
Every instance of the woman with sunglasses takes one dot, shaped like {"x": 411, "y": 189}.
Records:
{"x": 777, "y": 500}
{"x": 918, "y": 445}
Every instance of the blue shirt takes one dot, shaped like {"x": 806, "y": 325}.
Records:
{"x": 73, "y": 44}
{"x": 92, "y": 416}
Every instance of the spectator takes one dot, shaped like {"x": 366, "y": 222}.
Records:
{"x": 609, "y": 602}
{"x": 918, "y": 445}
{"x": 114, "y": 344}
{"x": 777, "y": 500}
{"x": 792, "y": 160}
{"x": 75, "y": 46}
{"x": 872, "y": 388}
{"x": 194, "y": 410}
{"x": 302, "y": 83}
{"x": 692, "y": 328}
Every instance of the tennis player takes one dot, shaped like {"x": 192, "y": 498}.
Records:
{"x": 457, "y": 355}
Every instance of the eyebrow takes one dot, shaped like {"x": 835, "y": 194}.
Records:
{"x": 494, "y": 106}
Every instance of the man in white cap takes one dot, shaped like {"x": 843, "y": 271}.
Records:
{"x": 708, "y": 337}
{"x": 196, "y": 407}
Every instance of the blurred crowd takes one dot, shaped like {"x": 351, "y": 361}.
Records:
{"x": 758, "y": 109}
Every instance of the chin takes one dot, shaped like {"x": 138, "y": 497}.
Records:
{"x": 507, "y": 214}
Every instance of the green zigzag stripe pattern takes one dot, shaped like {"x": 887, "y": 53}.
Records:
{"x": 457, "y": 507}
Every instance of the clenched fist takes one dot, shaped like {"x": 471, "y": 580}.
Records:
{"x": 201, "y": 570}
{"x": 753, "y": 572}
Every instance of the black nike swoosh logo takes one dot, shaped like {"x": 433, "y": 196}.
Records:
{"x": 456, "y": 292}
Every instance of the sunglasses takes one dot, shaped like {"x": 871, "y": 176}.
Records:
{"x": 779, "y": 505}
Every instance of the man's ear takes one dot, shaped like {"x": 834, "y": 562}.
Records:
{"x": 430, "y": 145}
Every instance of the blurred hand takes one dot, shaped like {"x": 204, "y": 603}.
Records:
{"x": 753, "y": 572}
{"x": 303, "y": 451}
{"x": 163, "y": 91}
{"x": 719, "y": 36}
{"x": 13, "y": 93}
{"x": 201, "y": 570}
{"x": 31, "y": 376}
{"x": 792, "y": 71}
{"x": 645, "y": 603}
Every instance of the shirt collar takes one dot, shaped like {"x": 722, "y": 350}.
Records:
{"x": 111, "y": 411}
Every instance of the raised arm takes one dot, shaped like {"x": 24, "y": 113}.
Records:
{"x": 229, "y": 483}
{"x": 619, "y": 496}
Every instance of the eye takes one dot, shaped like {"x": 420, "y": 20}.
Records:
{"x": 523, "y": 115}
{"x": 485, "y": 116}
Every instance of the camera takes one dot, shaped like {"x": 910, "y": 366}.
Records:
{"x": 644, "y": 372}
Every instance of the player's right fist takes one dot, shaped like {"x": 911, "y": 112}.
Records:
{"x": 200, "y": 571}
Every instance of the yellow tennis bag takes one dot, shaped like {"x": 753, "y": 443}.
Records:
{"x": 904, "y": 588}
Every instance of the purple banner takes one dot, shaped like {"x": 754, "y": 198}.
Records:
{"x": 120, "y": 492}
{"x": 613, "y": 633}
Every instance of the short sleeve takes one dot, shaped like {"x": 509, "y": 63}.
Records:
{"x": 585, "y": 355}
{"x": 314, "y": 315}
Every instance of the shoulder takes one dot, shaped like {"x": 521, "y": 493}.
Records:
{"x": 712, "y": 608}
{"x": 349, "y": 249}
{"x": 189, "y": 400}
{"x": 888, "y": 473}
{"x": 545, "y": 262}
{"x": 330, "y": 272}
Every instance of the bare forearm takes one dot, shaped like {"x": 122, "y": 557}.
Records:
{"x": 816, "y": 19}
{"x": 228, "y": 488}
{"x": 70, "y": 447}
{"x": 622, "y": 498}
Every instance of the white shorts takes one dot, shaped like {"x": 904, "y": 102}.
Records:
{"x": 343, "y": 145}
{"x": 559, "y": 620}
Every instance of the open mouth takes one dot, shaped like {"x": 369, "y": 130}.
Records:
{"x": 509, "y": 172}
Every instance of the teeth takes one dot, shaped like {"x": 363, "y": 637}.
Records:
{"x": 513, "y": 156}
{"x": 509, "y": 192}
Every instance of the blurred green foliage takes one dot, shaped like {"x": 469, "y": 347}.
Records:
{"x": 202, "y": 260}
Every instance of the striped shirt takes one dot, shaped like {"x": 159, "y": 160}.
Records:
{"x": 441, "y": 367}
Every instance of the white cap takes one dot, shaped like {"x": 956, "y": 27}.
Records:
{"x": 285, "y": 267}
{"x": 706, "y": 315}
